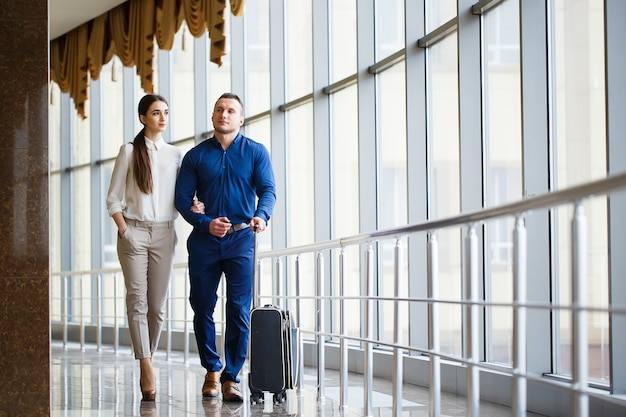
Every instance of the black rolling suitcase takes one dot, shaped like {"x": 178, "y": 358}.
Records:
{"x": 274, "y": 350}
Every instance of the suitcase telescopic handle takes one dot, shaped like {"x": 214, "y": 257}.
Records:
{"x": 255, "y": 277}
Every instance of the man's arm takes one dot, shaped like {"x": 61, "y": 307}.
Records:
{"x": 186, "y": 186}
{"x": 265, "y": 186}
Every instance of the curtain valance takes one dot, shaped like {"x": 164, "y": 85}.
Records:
{"x": 129, "y": 32}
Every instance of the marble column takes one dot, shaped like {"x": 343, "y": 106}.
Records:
{"x": 24, "y": 242}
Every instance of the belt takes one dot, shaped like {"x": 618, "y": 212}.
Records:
{"x": 237, "y": 227}
{"x": 139, "y": 223}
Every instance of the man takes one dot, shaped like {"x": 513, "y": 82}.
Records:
{"x": 227, "y": 172}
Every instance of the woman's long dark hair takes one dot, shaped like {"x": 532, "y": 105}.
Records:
{"x": 141, "y": 159}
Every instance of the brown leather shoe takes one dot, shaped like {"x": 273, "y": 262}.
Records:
{"x": 211, "y": 386}
{"x": 230, "y": 392}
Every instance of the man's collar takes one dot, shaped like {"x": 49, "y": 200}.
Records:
{"x": 216, "y": 142}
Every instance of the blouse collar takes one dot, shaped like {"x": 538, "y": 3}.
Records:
{"x": 154, "y": 145}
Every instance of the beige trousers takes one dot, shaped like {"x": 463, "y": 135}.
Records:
{"x": 146, "y": 253}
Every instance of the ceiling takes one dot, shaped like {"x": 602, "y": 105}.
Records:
{"x": 66, "y": 15}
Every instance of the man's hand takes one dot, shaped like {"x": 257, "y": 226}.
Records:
{"x": 259, "y": 223}
{"x": 219, "y": 226}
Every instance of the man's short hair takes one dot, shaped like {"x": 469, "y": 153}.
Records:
{"x": 233, "y": 97}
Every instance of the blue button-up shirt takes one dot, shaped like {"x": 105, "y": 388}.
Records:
{"x": 228, "y": 182}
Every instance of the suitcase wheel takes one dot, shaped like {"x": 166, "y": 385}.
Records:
{"x": 256, "y": 398}
{"x": 280, "y": 397}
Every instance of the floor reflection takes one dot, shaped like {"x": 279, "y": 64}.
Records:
{"x": 87, "y": 382}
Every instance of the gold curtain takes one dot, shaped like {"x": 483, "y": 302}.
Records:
{"x": 215, "y": 24}
{"x": 68, "y": 56}
{"x": 169, "y": 18}
{"x": 129, "y": 31}
{"x": 99, "y": 46}
{"x": 236, "y": 7}
{"x": 200, "y": 16}
{"x": 119, "y": 23}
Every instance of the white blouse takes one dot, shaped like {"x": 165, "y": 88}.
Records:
{"x": 124, "y": 195}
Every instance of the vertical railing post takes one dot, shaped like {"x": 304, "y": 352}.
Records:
{"x": 297, "y": 298}
{"x": 65, "y": 306}
{"x": 116, "y": 325}
{"x": 186, "y": 320}
{"x": 297, "y": 323}
{"x": 222, "y": 306}
{"x": 368, "y": 373}
{"x": 279, "y": 284}
{"x": 82, "y": 312}
{"x": 580, "y": 400}
{"x": 471, "y": 320}
{"x": 320, "y": 317}
{"x": 397, "y": 337}
{"x": 343, "y": 342}
{"x": 168, "y": 322}
{"x": 433, "y": 325}
{"x": 99, "y": 312}
{"x": 518, "y": 388}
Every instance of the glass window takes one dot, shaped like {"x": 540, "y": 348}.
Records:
{"x": 54, "y": 195}
{"x": 81, "y": 134}
{"x": 54, "y": 155}
{"x": 392, "y": 190}
{"x": 81, "y": 186}
{"x": 298, "y": 49}
{"x": 109, "y": 247}
{"x": 219, "y": 77}
{"x": 220, "y": 84}
{"x": 392, "y": 137}
{"x": 344, "y": 145}
{"x": 155, "y": 69}
{"x": 444, "y": 195}
{"x": 581, "y": 157}
{"x": 345, "y": 163}
{"x": 439, "y": 12}
{"x": 113, "y": 118}
{"x": 389, "y": 27}
{"x": 182, "y": 120}
{"x": 81, "y": 227}
{"x": 504, "y": 168}
{"x": 257, "y": 32}
{"x": 260, "y": 131}
{"x": 342, "y": 39}
{"x": 300, "y": 186}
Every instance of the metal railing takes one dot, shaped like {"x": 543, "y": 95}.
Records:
{"x": 470, "y": 303}
{"x": 96, "y": 300}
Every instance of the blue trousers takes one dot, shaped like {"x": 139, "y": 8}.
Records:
{"x": 209, "y": 257}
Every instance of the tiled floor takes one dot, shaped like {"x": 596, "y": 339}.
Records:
{"x": 87, "y": 382}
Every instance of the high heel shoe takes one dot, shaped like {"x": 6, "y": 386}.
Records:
{"x": 147, "y": 374}
{"x": 147, "y": 395}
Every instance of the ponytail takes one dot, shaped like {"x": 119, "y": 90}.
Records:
{"x": 141, "y": 158}
{"x": 141, "y": 163}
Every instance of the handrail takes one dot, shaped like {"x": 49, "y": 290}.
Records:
{"x": 544, "y": 201}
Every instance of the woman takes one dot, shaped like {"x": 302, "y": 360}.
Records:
{"x": 141, "y": 202}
